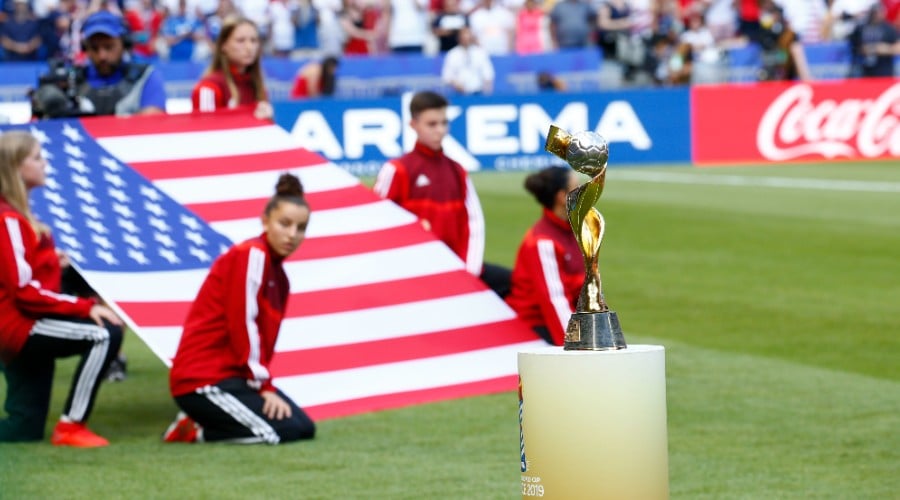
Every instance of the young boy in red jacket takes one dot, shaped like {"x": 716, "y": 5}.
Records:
{"x": 438, "y": 190}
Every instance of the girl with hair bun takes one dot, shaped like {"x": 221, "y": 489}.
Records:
{"x": 549, "y": 270}
{"x": 220, "y": 375}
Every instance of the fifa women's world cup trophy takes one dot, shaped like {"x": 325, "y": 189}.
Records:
{"x": 612, "y": 439}
{"x": 593, "y": 326}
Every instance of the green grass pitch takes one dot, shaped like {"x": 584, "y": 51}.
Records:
{"x": 775, "y": 291}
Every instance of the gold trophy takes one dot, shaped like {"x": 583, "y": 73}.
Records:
{"x": 592, "y": 327}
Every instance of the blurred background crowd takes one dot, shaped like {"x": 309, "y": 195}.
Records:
{"x": 649, "y": 41}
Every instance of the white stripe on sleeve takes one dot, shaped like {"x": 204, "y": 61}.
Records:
{"x": 550, "y": 270}
{"x": 15, "y": 238}
{"x": 384, "y": 179}
{"x": 207, "y": 99}
{"x": 475, "y": 249}
{"x": 255, "y": 266}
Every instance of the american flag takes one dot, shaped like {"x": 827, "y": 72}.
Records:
{"x": 381, "y": 315}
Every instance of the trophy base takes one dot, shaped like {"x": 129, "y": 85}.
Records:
{"x": 594, "y": 332}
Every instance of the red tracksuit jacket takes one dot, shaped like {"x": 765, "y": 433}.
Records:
{"x": 212, "y": 93}
{"x": 233, "y": 323}
{"x": 438, "y": 190}
{"x": 548, "y": 276}
{"x": 29, "y": 281}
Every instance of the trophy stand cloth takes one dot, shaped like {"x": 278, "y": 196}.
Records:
{"x": 593, "y": 423}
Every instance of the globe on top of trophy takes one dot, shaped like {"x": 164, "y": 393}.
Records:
{"x": 586, "y": 152}
{"x": 592, "y": 326}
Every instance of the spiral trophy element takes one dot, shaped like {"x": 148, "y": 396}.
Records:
{"x": 592, "y": 326}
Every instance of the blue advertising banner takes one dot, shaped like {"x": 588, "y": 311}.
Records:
{"x": 496, "y": 132}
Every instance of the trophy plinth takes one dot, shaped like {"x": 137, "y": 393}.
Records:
{"x": 594, "y": 332}
{"x": 592, "y": 327}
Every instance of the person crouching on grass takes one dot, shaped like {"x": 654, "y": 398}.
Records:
{"x": 220, "y": 374}
{"x": 549, "y": 270}
{"x": 37, "y": 323}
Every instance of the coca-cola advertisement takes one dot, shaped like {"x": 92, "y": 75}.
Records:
{"x": 801, "y": 121}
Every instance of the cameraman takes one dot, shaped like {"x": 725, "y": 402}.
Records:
{"x": 113, "y": 83}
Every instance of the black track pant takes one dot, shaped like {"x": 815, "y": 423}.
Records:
{"x": 497, "y": 278}
{"x": 29, "y": 377}
{"x": 232, "y": 411}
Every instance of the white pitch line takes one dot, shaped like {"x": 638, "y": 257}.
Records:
{"x": 740, "y": 180}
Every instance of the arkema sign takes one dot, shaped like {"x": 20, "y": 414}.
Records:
{"x": 496, "y": 132}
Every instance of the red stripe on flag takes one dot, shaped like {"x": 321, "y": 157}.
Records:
{"x": 222, "y": 165}
{"x": 394, "y": 350}
{"x": 154, "y": 314}
{"x": 410, "y": 398}
{"x": 353, "y": 244}
{"x": 323, "y": 200}
{"x": 383, "y": 294}
{"x": 114, "y": 126}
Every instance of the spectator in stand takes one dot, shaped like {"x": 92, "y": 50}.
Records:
{"x": 234, "y": 77}
{"x": 438, "y": 191}
{"x": 530, "y": 28}
{"x": 316, "y": 79}
{"x": 329, "y": 33}
{"x": 56, "y": 30}
{"x": 37, "y": 323}
{"x": 667, "y": 19}
{"x": 20, "y": 35}
{"x": 494, "y": 27}
{"x": 258, "y": 12}
{"x": 845, "y": 15}
{"x": 874, "y": 45}
{"x": 807, "y": 19}
{"x": 468, "y": 67}
{"x": 783, "y": 57}
{"x": 549, "y": 270}
{"x": 359, "y": 21}
{"x": 447, "y": 23}
{"x": 213, "y": 22}
{"x": 221, "y": 377}
{"x": 180, "y": 33}
{"x": 283, "y": 31}
{"x": 700, "y": 39}
{"x": 144, "y": 19}
{"x": 407, "y": 24}
{"x": 572, "y": 24}
{"x": 748, "y": 20}
{"x": 673, "y": 61}
{"x": 722, "y": 19}
{"x": 892, "y": 12}
{"x": 305, "y": 18}
{"x": 613, "y": 26}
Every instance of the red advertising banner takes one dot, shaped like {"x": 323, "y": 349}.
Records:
{"x": 845, "y": 119}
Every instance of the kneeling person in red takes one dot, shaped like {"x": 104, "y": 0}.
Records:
{"x": 37, "y": 323}
{"x": 220, "y": 374}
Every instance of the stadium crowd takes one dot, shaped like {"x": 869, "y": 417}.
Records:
{"x": 661, "y": 41}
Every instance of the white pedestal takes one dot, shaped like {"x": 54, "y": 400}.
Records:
{"x": 593, "y": 423}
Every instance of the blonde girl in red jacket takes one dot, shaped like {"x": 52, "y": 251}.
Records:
{"x": 37, "y": 323}
{"x": 220, "y": 376}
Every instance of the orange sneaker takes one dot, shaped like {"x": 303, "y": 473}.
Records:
{"x": 182, "y": 430}
{"x": 76, "y": 435}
